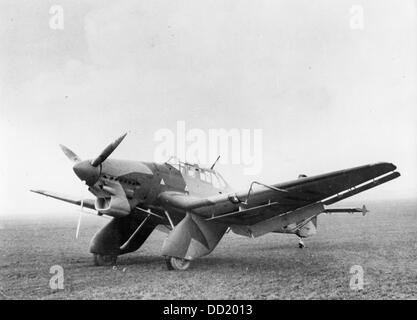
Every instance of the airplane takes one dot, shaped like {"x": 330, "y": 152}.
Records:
{"x": 196, "y": 206}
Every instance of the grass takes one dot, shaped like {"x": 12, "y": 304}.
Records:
{"x": 269, "y": 267}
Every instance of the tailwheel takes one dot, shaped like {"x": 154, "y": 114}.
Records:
{"x": 104, "y": 260}
{"x": 174, "y": 263}
{"x": 301, "y": 244}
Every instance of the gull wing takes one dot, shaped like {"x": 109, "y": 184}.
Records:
{"x": 264, "y": 202}
{"x": 86, "y": 203}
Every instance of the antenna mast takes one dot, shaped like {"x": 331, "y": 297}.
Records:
{"x": 211, "y": 168}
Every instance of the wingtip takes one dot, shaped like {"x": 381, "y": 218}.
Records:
{"x": 37, "y": 191}
{"x": 388, "y": 166}
{"x": 393, "y": 166}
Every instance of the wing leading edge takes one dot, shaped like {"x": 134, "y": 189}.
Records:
{"x": 86, "y": 203}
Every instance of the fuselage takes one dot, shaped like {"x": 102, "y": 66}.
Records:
{"x": 123, "y": 185}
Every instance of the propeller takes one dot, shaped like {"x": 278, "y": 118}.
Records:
{"x": 87, "y": 170}
{"x": 364, "y": 210}
{"x": 107, "y": 151}
{"x": 79, "y": 219}
{"x": 70, "y": 154}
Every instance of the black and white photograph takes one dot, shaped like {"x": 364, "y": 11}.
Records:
{"x": 214, "y": 150}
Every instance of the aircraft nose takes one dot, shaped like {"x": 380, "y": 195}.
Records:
{"x": 86, "y": 172}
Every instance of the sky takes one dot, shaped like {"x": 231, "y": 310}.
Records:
{"x": 331, "y": 85}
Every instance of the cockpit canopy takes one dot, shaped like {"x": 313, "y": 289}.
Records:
{"x": 195, "y": 171}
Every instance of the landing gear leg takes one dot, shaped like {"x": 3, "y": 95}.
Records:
{"x": 301, "y": 244}
{"x": 104, "y": 260}
{"x": 174, "y": 263}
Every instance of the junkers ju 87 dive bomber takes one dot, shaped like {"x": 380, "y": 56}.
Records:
{"x": 196, "y": 206}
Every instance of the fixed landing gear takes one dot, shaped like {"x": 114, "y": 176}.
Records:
{"x": 104, "y": 260}
{"x": 174, "y": 263}
{"x": 301, "y": 244}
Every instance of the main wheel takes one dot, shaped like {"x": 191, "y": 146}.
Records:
{"x": 104, "y": 260}
{"x": 174, "y": 263}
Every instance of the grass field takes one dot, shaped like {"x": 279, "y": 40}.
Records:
{"x": 383, "y": 243}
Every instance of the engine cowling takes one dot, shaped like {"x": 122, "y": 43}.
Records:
{"x": 113, "y": 206}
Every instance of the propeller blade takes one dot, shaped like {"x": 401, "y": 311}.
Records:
{"x": 78, "y": 226}
{"x": 70, "y": 155}
{"x": 79, "y": 220}
{"x": 107, "y": 151}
